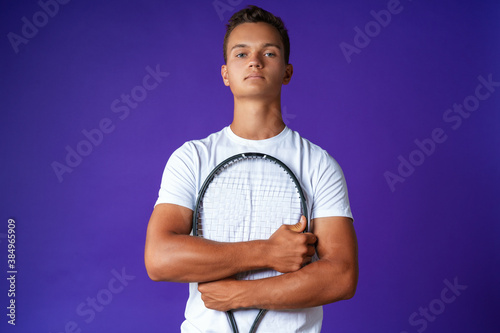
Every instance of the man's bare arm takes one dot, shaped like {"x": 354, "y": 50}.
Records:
{"x": 332, "y": 278}
{"x": 171, "y": 254}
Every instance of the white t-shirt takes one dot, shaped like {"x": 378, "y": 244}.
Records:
{"x": 326, "y": 194}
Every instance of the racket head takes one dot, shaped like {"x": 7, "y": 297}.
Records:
{"x": 231, "y": 162}
{"x": 248, "y": 196}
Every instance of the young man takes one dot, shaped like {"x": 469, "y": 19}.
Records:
{"x": 256, "y": 54}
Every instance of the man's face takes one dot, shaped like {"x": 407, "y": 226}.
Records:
{"x": 255, "y": 62}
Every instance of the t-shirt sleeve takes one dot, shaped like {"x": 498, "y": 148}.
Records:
{"x": 178, "y": 184}
{"x": 330, "y": 196}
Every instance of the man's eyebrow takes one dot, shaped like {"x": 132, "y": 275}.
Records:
{"x": 273, "y": 45}
{"x": 264, "y": 46}
{"x": 239, "y": 46}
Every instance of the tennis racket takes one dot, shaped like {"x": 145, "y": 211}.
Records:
{"x": 247, "y": 197}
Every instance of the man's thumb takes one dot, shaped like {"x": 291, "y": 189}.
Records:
{"x": 300, "y": 226}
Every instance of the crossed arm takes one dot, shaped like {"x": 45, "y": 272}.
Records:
{"x": 172, "y": 255}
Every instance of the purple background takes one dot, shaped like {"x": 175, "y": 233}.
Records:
{"x": 440, "y": 224}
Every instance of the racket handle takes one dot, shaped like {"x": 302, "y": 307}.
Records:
{"x": 257, "y": 320}
{"x": 232, "y": 321}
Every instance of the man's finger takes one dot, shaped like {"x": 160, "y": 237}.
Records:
{"x": 299, "y": 226}
{"x": 311, "y": 238}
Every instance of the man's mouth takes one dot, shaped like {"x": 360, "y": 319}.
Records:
{"x": 254, "y": 76}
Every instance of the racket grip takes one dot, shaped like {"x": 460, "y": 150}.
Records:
{"x": 232, "y": 321}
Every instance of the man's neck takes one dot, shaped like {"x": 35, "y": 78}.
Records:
{"x": 257, "y": 120}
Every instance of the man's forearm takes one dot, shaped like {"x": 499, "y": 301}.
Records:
{"x": 184, "y": 258}
{"x": 319, "y": 283}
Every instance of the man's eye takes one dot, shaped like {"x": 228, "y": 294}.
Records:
{"x": 240, "y": 55}
{"x": 269, "y": 54}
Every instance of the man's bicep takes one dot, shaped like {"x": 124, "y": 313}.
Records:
{"x": 167, "y": 220}
{"x": 338, "y": 248}
{"x": 170, "y": 218}
{"x": 336, "y": 239}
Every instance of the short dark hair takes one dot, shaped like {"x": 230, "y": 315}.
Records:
{"x": 254, "y": 14}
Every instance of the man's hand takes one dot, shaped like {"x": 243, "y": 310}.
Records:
{"x": 219, "y": 295}
{"x": 290, "y": 248}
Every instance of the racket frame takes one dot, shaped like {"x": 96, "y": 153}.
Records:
{"x": 212, "y": 175}
{"x": 204, "y": 188}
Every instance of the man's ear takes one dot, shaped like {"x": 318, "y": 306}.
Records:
{"x": 288, "y": 74}
{"x": 223, "y": 73}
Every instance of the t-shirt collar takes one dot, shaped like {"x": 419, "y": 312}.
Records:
{"x": 249, "y": 142}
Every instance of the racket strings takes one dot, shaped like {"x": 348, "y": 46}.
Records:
{"x": 248, "y": 199}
